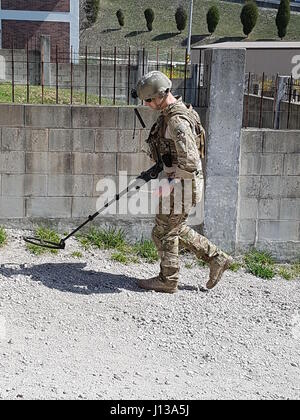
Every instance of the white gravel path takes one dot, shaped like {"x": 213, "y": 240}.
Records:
{"x": 81, "y": 329}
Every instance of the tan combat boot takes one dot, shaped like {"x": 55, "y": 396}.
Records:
{"x": 218, "y": 265}
{"x": 158, "y": 285}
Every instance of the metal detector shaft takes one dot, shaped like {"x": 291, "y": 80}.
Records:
{"x": 146, "y": 176}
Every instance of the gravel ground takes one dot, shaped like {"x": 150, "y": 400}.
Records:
{"x": 81, "y": 329}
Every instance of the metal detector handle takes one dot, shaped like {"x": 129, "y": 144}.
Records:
{"x": 152, "y": 173}
{"x": 139, "y": 117}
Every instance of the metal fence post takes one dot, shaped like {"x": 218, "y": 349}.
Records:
{"x": 13, "y": 73}
{"x": 129, "y": 69}
{"x": 247, "y": 102}
{"x": 86, "y": 76}
{"x": 27, "y": 58}
{"x": 100, "y": 76}
{"x": 261, "y": 101}
{"x": 275, "y": 99}
{"x": 56, "y": 59}
{"x": 71, "y": 77}
{"x": 185, "y": 74}
{"x": 115, "y": 73}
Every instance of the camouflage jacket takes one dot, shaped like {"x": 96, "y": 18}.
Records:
{"x": 174, "y": 134}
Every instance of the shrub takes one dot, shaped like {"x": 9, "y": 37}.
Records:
{"x": 181, "y": 19}
{"x": 212, "y": 18}
{"x": 283, "y": 18}
{"x": 91, "y": 8}
{"x": 249, "y": 16}
{"x": 149, "y": 16}
{"x": 121, "y": 17}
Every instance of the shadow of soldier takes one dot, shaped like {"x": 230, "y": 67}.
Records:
{"x": 72, "y": 278}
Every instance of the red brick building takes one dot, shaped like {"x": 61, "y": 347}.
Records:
{"x": 23, "y": 21}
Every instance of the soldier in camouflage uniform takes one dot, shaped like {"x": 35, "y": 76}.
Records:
{"x": 177, "y": 134}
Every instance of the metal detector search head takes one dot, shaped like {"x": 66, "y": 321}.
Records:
{"x": 45, "y": 244}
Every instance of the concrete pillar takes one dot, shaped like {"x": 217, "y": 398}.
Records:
{"x": 2, "y": 68}
{"x": 224, "y": 77}
{"x": 46, "y": 59}
{"x": 283, "y": 82}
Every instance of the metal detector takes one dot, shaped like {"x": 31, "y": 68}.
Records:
{"x": 141, "y": 180}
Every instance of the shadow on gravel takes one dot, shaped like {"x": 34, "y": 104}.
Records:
{"x": 73, "y": 278}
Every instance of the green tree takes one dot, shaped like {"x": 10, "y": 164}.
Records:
{"x": 91, "y": 8}
{"x": 149, "y": 16}
{"x": 249, "y": 16}
{"x": 212, "y": 18}
{"x": 121, "y": 17}
{"x": 283, "y": 18}
{"x": 181, "y": 18}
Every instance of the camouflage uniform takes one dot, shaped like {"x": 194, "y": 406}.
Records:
{"x": 171, "y": 230}
{"x": 177, "y": 134}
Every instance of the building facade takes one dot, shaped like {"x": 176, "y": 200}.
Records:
{"x": 22, "y": 22}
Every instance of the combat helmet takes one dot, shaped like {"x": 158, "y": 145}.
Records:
{"x": 153, "y": 85}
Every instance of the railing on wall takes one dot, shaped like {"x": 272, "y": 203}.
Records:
{"x": 94, "y": 77}
{"x": 271, "y": 101}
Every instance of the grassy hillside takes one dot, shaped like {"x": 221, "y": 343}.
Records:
{"x": 106, "y": 31}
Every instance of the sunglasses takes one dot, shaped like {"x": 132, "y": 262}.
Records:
{"x": 148, "y": 100}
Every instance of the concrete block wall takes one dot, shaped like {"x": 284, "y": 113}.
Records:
{"x": 20, "y": 66}
{"x": 269, "y": 192}
{"x": 52, "y": 158}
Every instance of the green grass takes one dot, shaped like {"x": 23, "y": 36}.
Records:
{"x": 77, "y": 254}
{"x": 201, "y": 263}
{"x": 107, "y": 33}
{"x": 35, "y": 96}
{"x": 3, "y": 237}
{"x": 146, "y": 250}
{"x": 285, "y": 273}
{"x": 111, "y": 238}
{"x": 296, "y": 269}
{"x": 114, "y": 239}
{"x": 235, "y": 267}
{"x": 289, "y": 272}
{"x": 47, "y": 235}
{"x": 260, "y": 264}
{"x": 124, "y": 257}
{"x": 189, "y": 265}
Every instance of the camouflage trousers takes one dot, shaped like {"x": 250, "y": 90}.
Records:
{"x": 171, "y": 233}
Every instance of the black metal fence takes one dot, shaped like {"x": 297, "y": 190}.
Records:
{"x": 93, "y": 77}
{"x": 271, "y": 102}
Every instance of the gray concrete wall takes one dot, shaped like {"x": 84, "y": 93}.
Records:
{"x": 20, "y": 66}
{"x": 269, "y": 192}
{"x": 52, "y": 158}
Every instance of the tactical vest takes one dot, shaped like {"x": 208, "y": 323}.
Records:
{"x": 160, "y": 146}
